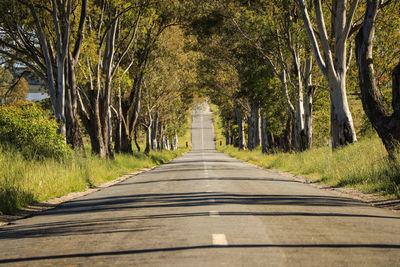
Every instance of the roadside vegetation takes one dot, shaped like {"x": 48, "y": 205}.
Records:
{"x": 121, "y": 77}
{"x": 364, "y": 165}
{"x": 24, "y": 181}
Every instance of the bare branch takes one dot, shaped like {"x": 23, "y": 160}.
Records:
{"x": 349, "y": 19}
{"x": 81, "y": 28}
{"x": 324, "y": 36}
{"x": 311, "y": 35}
{"x": 129, "y": 44}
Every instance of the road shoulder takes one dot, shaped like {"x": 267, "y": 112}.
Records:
{"x": 39, "y": 207}
{"x": 370, "y": 199}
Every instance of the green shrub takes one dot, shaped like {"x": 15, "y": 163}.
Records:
{"x": 30, "y": 131}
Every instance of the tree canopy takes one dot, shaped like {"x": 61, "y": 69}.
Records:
{"x": 282, "y": 72}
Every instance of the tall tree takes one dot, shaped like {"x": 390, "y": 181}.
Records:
{"x": 113, "y": 31}
{"x": 161, "y": 15}
{"x": 47, "y": 38}
{"x": 385, "y": 122}
{"x": 274, "y": 30}
{"x": 334, "y": 61}
{"x": 168, "y": 88}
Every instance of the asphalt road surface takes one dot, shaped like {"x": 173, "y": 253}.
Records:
{"x": 206, "y": 209}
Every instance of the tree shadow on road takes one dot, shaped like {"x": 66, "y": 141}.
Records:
{"x": 183, "y": 248}
{"x": 120, "y": 202}
{"x": 125, "y": 224}
{"x": 212, "y": 179}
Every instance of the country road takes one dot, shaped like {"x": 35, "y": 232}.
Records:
{"x": 206, "y": 209}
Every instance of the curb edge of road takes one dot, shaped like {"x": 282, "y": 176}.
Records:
{"x": 370, "y": 199}
{"x": 39, "y": 207}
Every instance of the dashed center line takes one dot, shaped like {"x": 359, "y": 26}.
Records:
{"x": 219, "y": 240}
{"x": 213, "y": 213}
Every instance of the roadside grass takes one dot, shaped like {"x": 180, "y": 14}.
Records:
{"x": 23, "y": 182}
{"x": 363, "y": 166}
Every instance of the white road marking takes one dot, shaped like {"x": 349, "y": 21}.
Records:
{"x": 213, "y": 213}
{"x": 219, "y": 240}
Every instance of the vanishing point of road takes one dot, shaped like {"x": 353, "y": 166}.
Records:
{"x": 206, "y": 209}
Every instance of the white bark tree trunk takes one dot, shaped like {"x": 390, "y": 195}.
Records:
{"x": 175, "y": 143}
{"x": 154, "y": 131}
{"x": 258, "y": 129}
{"x": 148, "y": 139}
{"x": 342, "y": 129}
{"x": 308, "y": 104}
{"x": 299, "y": 133}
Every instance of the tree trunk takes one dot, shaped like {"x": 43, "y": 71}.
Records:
{"x": 130, "y": 113}
{"x": 97, "y": 121}
{"x": 73, "y": 134}
{"x": 164, "y": 139}
{"x": 300, "y": 112}
{"x": 154, "y": 131}
{"x": 97, "y": 118}
{"x": 148, "y": 139}
{"x": 167, "y": 144}
{"x": 287, "y": 139}
{"x": 271, "y": 141}
{"x": 253, "y": 126}
{"x": 175, "y": 143}
{"x": 135, "y": 137}
{"x": 240, "y": 123}
{"x": 387, "y": 125}
{"x": 258, "y": 128}
{"x": 342, "y": 129}
{"x": 308, "y": 117}
{"x": 228, "y": 136}
{"x": 126, "y": 133}
{"x": 126, "y": 142}
{"x": 118, "y": 124}
{"x": 308, "y": 105}
{"x": 92, "y": 124}
{"x": 60, "y": 114}
{"x": 264, "y": 135}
